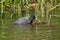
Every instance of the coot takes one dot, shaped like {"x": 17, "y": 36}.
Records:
{"x": 25, "y": 20}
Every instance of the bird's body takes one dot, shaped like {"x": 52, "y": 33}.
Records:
{"x": 24, "y": 20}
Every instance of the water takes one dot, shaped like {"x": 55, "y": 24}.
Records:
{"x": 8, "y": 31}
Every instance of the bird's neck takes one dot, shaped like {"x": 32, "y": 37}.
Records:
{"x": 31, "y": 20}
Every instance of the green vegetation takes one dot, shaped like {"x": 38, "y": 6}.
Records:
{"x": 45, "y": 10}
{"x": 13, "y": 9}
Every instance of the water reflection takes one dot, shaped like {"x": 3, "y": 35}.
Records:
{"x": 31, "y": 32}
{"x": 27, "y": 32}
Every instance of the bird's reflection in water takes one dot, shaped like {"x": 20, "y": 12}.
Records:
{"x": 32, "y": 31}
{"x": 25, "y": 31}
{"x": 23, "y": 26}
{"x": 29, "y": 27}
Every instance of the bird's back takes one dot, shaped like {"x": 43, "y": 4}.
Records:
{"x": 22, "y": 20}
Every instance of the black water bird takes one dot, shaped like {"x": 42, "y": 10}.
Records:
{"x": 25, "y": 20}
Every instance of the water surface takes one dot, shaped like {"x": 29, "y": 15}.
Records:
{"x": 8, "y": 31}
